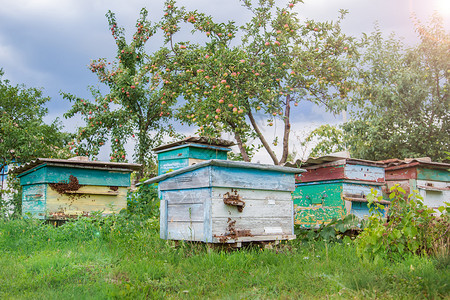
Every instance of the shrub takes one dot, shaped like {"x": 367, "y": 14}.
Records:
{"x": 411, "y": 228}
{"x": 144, "y": 202}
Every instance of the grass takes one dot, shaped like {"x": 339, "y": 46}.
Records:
{"x": 125, "y": 258}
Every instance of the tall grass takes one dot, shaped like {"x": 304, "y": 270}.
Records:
{"x": 123, "y": 257}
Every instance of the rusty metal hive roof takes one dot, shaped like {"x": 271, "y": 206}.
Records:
{"x": 314, "y": 161}
{"x": 197, "y": 140}
{"x": 76, "y": 163}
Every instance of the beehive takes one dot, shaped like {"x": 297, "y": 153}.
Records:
{"x": 190, "y": 151}
{"x": 219, "y": 201}
{"x": 430, "y": 179}
{"x": 335, "y": 186}
{"x": 58, "y": 189}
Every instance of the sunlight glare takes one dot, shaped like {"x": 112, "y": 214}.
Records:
{"x": 443, "y": 7}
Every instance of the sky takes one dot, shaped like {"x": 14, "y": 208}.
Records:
{"x": 49, "y": 43}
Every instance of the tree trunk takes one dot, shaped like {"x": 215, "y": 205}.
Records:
{"x": 237, "y": 136}
{"x": 287, "y": 130}
{"x": 262, "y": 139}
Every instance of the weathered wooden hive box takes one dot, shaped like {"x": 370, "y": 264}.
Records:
{"x": 333, "y": 187}
{"x": 190, "y": 151}
{"x": 58, "y": 189}
{"x": 431, "y": 179}
{"x": 219, "y": 201}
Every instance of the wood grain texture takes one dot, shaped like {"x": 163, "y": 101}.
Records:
{"x": 251, "y": 179}
{"x": 54, "y": 174}
{"x": 79, "y": 204}
{"x": 364, "y": 173}
{"x": 34, "y": 200}
{"x": 163, "y": 219}
{"x": 199, "y": 178}
{"x": 185, "y": 212}
{"x": 36, "y": 175}
{"x": 362, "y": 190}
{"x": 257, "y": 225}
{"x": 401, "y": 174}
{"x": 183, "y": 196}
{"x": 165, "y": 166}
{"x": 319, "y": 174}
{"x": 433, "y": 174}
{"x": 186, "y": 231}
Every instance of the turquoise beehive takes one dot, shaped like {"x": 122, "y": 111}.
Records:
{"x": 190, "y": 151}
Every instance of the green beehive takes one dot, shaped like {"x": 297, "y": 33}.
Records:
{"x": 335, "y": 186}
{"x": 190, "y": 151}
{"x": 59, "y": 189}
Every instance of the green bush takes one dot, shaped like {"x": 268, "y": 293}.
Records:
{"x": 411, "y": 228}
{"x": 144, "y": 202}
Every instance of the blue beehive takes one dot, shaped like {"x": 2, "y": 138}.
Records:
{"x": 219, "y": 201}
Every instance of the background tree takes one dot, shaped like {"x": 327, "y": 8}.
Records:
{"x": 23, "y": 134}
{"x": 280, "y": 61}
{"x": 136, "y": 105}
{"x": 405, "y": 112}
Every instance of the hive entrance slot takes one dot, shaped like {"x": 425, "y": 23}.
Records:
{"x": 234, "y": 199}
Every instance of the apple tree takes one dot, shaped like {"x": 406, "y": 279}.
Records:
{"x": 229, "y": 84}
{"x": 137, "y": 102}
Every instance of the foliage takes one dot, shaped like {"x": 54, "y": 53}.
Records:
{"x": 123, "y": 257}
{"x": 23, "y": 133}
{"x": 326, "y": 139}
{"x": 411, "y": 228}
{"x": 144, "y": 201}
{"x": 339, "y": 229}
{"x": 403, "y": 97}
{"x": 229, "y": 84}
{"x": 406, "y": 92}
{"x": 137, "y": 103}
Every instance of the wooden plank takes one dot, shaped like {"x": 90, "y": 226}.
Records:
{"x": 310, "y": 217}
{"x": 255, "y": 226}
{"x": 433, "y": 185}
{"x": 253, "y": 208}
{"x": 401, "y": 174}
{"x": 79, "y": 204}
{"x": 361, "y": 190}
{"x": 163, "y": 219}
{"x": 258, "y": 238}
{"x": 199, "y": 178}
{"x": 433, "y": 174}
{"x": 206, "y": 154}
{"x": 434, "y": 193}
{"x": 219, "y": 192}
{"x": 251, "y": 179}
{"x": 186, "y": 195}
{"x": 186, "y": 231}
{"x": 87, "y": 176}
{"x": 327, "y": 194}
{"x": 193, "y": 161}
{"x": 177, "y": 153}
{"x": 405, "y": 184}
{"x": 207, "y": 219}
{"x": 185, "y": 212}
{"x": 366, "y": 173}
{"x": 37, "y": 175}
{"x": 165, "y": 166}
{"x": 34, "y": 200}
{"x": 319, "y": 174}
